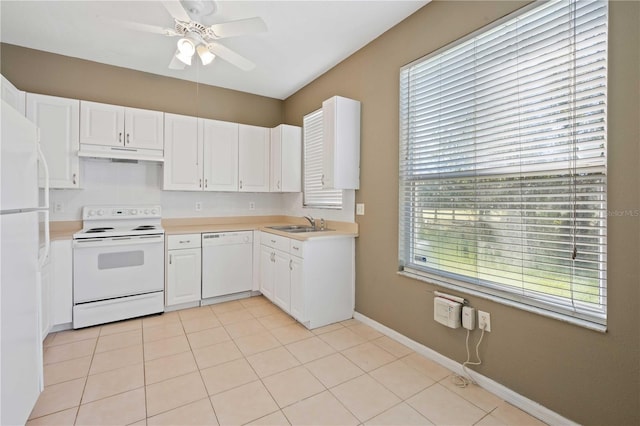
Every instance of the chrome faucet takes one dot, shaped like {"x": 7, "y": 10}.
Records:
{"x": 311, "y": 220}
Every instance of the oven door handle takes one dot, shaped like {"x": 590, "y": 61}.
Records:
{"x": 118, "y": 241}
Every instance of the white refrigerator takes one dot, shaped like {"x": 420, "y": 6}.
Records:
{"x": 23, "y": 249}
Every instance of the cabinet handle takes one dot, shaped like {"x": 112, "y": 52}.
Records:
{"x": 200, "y": 183}
{"x": 291, "y": 264}
{"x": 128, "y": 142}
{"x": 322, "y": 180}
{"x": 206, "y": 183}
{"x": 240, "y": 184}
{"x": 295, "y": 248}
{"x": 120, "y": 137}
{"x": 273, "y": 241}
{"x": 278, "y": 185}
{"x": 170, "y": 259}
{"x": 74, "y": 179}
{"x": 185, "y": 241}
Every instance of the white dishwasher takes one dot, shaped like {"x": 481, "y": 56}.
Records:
{"x": 227, "y": 263}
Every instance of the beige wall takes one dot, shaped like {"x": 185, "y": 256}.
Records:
{"x": 47, "y": 73}
{"x": 586, "y": 376}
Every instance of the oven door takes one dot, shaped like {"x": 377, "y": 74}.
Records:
{"x": 105, "y": 268}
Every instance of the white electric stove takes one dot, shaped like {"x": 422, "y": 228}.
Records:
{"x": 118, "y": 264}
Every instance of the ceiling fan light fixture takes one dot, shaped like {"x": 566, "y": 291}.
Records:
{"x": 186, "y": 47}
{"x": 206, "y": 57}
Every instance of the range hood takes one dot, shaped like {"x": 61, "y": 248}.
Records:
{"x": 120, "y": 153}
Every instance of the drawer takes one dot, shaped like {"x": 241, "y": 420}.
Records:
{"x": 296, "y": 248}
{"x": 183, "y": 241}
{"x": 275, "y": 241}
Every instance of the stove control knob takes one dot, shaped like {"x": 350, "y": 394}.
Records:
{"x": 134, "y": 212}
{"x": 100, "y": 212}
{"x": 154, "y": 212}
{"x": 91, "y": 213}
{"x": 146, "y": 211}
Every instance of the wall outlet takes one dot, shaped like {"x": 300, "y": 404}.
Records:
{"x": 468, "y": 317}
{"x": 58, "y": 207}
{"x": 484, "y": 321}
{"x": 360, "y": 209}
{"x": 198, "y": 206}
{"x": 252, "y": 205}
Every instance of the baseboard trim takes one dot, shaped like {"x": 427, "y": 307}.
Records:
{"x": 525, "y": 404}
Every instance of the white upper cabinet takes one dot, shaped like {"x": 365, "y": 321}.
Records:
{"x": 286, "y": 159}
{"x": 13, "y": 96}
{"x": 58, "y": 120}
{"x": 341, "y": 143}
{"x": 183, "y": 154}
{"x": 220, "y": 144}
{"x": 117, "y": 131}
{"x": 143, "y": 129}
{"x": 253, "y": 168}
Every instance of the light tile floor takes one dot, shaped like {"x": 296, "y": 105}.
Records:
{"x": 247, "y": 362}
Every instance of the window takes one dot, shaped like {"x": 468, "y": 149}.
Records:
{"x": 502, "y": 162}
{"x": 314, "y": 194}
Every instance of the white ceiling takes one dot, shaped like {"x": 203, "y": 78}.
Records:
{"x": 304, "y": 38}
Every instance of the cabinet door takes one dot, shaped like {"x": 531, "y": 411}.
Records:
{"x": 61, "y": 283}
{"x": 291, "y": 159}
{"x": 220, "y": 145}
{"x": 13, "y": 96}
{"x": 282, "y": 282}
{"x": 297, "y": 289}
{"x": 253, "y": 156}
{"x": 143, "y": 129}
{"x": 183, "y": 276}
{"x": 286, "y": 159}
{"x": 266, "y": 271}
{"x": 182, "y": 154}
{"x": 101, "y": 124}
{"x": 58, "y": 120}
{"x": 341, "y": 143}
{"x": 275, "y": 180}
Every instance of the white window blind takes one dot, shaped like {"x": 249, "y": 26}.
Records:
{"x": 503, "y": 161}
{"x": 314, "y": 194}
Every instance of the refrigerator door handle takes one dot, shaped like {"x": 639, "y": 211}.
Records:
{"x": 45, "y": 207}
{"x": 45, "y": 167}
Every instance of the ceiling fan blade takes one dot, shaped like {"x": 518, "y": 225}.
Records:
{"x": 232, "y": 57}
{"x": 176, "y": 64}
{"x": 138, "y": 26}
{"x": 239, "y": 27}
{"x": 176, "y": 10}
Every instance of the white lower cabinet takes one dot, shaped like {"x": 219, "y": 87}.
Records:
{"x": 313, "y": 281}
{"x": 57, "y": 288}
{"x": 282, "y": 280}
{"x": 297, "y": 288}
{"x": 274, "y": 272}
{"x": 184, "y": 271}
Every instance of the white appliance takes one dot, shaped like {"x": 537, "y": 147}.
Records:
{"x": 226, "y": 263}
{"x": 118, "y": 264}
{"x": 20, "y": 263}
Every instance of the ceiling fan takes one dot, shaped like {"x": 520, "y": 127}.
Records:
{"x": 196, "y": 37}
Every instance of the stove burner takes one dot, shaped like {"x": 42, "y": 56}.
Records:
{"x": 144, "y": 228}
{"x": 94, "y": 230}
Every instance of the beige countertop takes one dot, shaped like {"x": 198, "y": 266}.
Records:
{"x": 62, "y": 230}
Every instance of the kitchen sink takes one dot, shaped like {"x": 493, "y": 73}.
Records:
{"x": 297, "y": 229}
